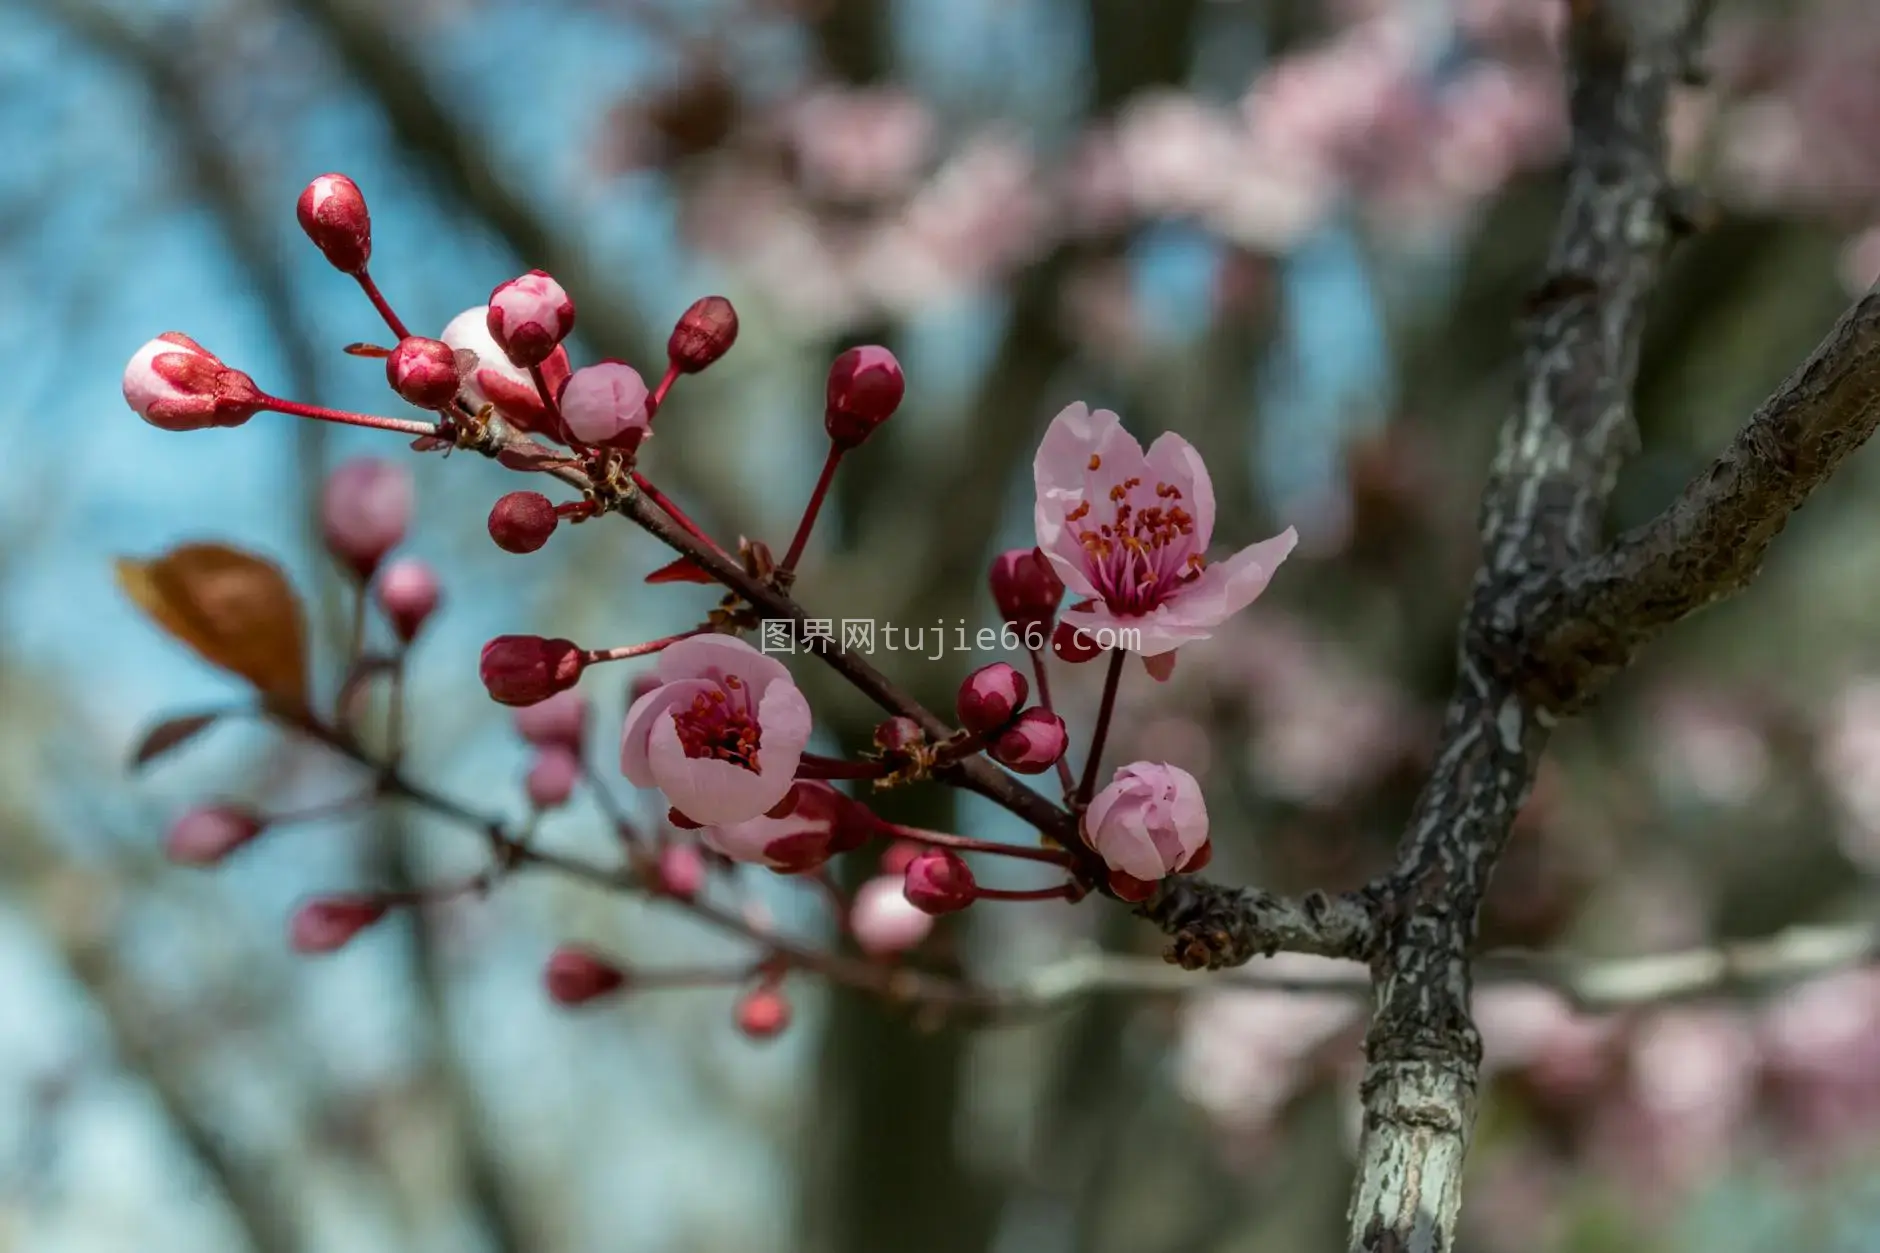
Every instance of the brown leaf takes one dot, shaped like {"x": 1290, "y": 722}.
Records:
{"x": 169, "y": 735}
{"x": 237, "y": 611}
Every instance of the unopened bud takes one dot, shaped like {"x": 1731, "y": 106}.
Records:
{"x": 365, "y": 509}
{"x": 1027, "y": 591}
{"x": 529, "y": 317}
{"x": 604, "y": 405}
{"x": 204, "y": 836}
{"x": 521, "y": 522}
{"x": 176, "y": 384}
{"x": 938, "y": 881}
{"x": 883, "y": 920}
{"x": 333, "y": 213}
{"x": 552, "y": 778}
{"x": 424, "y": 372}
{"x": 559, "y": 720}
{"x": 327, "y": 924}
{"x": 704, "y": 333}
{"x": 575, "y": 976}
{"x": 763, "y": 1013}
{"x": 1032, "y": 744}
{"x": 990, "y": 697}
{"x": 681, "y": 871}
{"x": 1074, "y": 644}
{"x": 526, "y": 669}
{"x": 408, "y": 593}
{"x": 898, "y": 735}
{"x": 865, "y": 388}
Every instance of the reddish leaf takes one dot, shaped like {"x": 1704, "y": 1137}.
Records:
{"x": 235, "y": 610}
{"x": 169, "y": 735}
{"x": 684, "y": 570}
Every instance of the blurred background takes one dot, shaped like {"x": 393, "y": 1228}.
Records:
{"x": 1297, "y": 232}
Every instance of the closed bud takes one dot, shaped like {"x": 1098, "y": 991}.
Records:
{"x": 176, "y": 384}
{"x": 704, "y": 333}
{"x": 408, "y": 593}
{"x": 604, "y": 406}
{"x": 938, "y": 881}
{"x": 883, "y": 920}
{"x": 763, "y": 1013}
{"x": 527, "y": 669}
{"x": 1027, "y": 590}
{"x": 333, "y": 213}
{"x": 529, "y": 317}
{"x": 365, "y": 509}
{"x": 424, "y": 372}
{"x": 681, "y": 871}
{"x": 327, "y": 924}
{"x": 552, "y": 777}
{"x": 1032, "y": 744}
{"x": 990, "y": 697}
{"x": 559, "y": 720}
{"x": 1074, "y": 644}
{"x": 575, "y": 976}
{"x": 898, "y": 735}
{"x": 865, "y": 388}
{"x": 521, "y": 522}
{"x": 204, "y": 836}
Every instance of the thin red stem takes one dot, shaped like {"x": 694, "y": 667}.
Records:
{"x": 548, "y": 397}
{"x": 403, "y": 426}
{"x": 966, "y": 844}
{"x": 1044, "y": 701}
{"x": 379, "y": 302}
{"x": 658, "y": 397}
{"x": 1094, "y": 762}
{"x": 1061, "y": 891}
{"x": 814, "y": 507}
{"x": 595, "y": 655}
{"x": 673, "y": 511}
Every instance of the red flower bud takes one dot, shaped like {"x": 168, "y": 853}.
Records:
{"x": 575, "y": 976}
{"x": 529, "y": 317}
{"x": 328, "y": 923}
{"x": 1027, "y": 591}
{"x": 763, "y": 1013}
{"x": 521, "y": 522}
{"x": 204, "y": 836}
{"x": 704, "y": 333}
{"x": 938, "y": 881}
{"x": 897, "y": 735}
{"x": 176, "y": 384}
{"x": 1032, "y": 744}
{"x": 552, "y": 778}
{"x": 1073, "y": 644}
{"x": 865, "y": 388}
{"x": 526, "y": 669}
{"x": 408, "y": 593}
{"x": 990, "y": 697}
{"x": 333, "y": 213}
{"x": 424, "y": 372}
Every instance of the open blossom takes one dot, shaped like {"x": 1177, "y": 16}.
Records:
{"x": 493, "y": 379}
{"x": 175, "y": 383}
{"x": 1148, "y": 824}
{"x": 818, "y": 826}
{"x": 721, "y": 735}
{"x": 1130, "y": 531}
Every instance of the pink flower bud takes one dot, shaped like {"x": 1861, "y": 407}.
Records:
{"x": 898, "y": 735}
{"x": 408, "y": 593}
{"x": 884, "y": 920}
{"x": 865, "y": 388}
{"x": 1027, "y": 591}
{"x": 527, "y": 669}
{"x": 763, "y": 1013}
{"x": 1032, "y": 744}
{"x": 205, "y": 835}
{"x": 1073, "y": 644}
{"x": 326, "y": 924}
{"x": 176, "y": 384}
{"x": 604, "y": 405}
{"x": 704, "y": 333}
{"x": 491, "y": 379}
{"x": 1149, "y": 823}
{"x": 552, "y": 778}
{"x": 424, "y": 372}
{"x": 521, "y": 522}
{"x": 529, "y": 317}
{"x": 990, "y": 697}
{"x": 561, "y": 720}
{"x": 681, "y": 871}
{"x": 333, "y": 213}
{"x": 575, "y": 976}
{"x": 895, "y": 858}
{"x": 938, "y": 881}
{"x": 364, "y": 511}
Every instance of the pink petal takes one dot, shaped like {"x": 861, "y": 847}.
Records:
{"x": 706, "y": 789}
{"x": 650, "y": 710}
{"x": 1227, "y": 587}
{"x": 702, "y": 655}
{"x": 1173, "y": 460}
{"x": 783, "y": 718}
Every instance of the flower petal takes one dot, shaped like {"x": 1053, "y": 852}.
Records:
{"x": 706, "y": 789}
{"x": 706, "y": 656}
{"x": 650, "y": 709}
{"x": 1173, "y": 460}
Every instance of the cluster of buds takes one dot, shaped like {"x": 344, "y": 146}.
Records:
{"x": 718, "y": 729}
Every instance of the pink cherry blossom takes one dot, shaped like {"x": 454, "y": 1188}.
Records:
{"x": 816, "y": 828}
{"x": 175, "y": 383}
{"x": 721, "y": 735}
{"x": 1130, "y": 531}
{"x": 605, "y": 405}
{"x": 492, "y": 379}
{"x": 1150, "y": 822}
{"x": 884, "y": 920}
